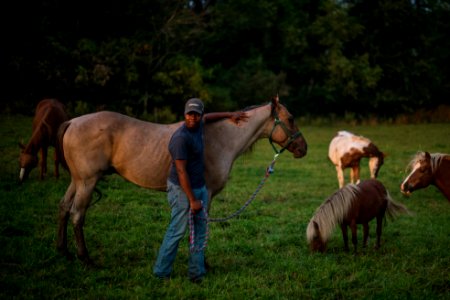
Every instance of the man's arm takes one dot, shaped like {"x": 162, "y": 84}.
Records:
{"x": 183, "y": 177}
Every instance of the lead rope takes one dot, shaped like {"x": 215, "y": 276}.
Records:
{"x": 192, "y": 248}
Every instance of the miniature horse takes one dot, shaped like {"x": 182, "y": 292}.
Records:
{"x": 346, "y": 151}
{"x": 349, "y": 206}
{"x": 428, "y": 169}
{"x": 100, "y": 143}
{"x": 50, "y": 113}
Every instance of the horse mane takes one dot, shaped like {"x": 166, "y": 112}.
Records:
{"x": 436, "y": 160}
{"x": 253, "y": 107}
{"x": 332, "y": 211}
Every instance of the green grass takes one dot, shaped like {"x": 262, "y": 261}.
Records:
{"x": 262, "y": 254}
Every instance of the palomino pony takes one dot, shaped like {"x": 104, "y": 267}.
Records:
{"x": 428, "y": 169}
{"x": 104, "y": 142}
{"x": 349, "y": 206}
{"x": 50, "y": 113}
{"x": 346, "y": 151}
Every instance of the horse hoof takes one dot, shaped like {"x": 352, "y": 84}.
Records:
{"x": 64, "y": 252}
{"x": 87, "y": 261}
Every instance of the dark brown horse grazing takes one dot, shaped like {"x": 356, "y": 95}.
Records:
{"x": 50, "y": 114}
{"x": 102, "y": 142}
{"x": 349, "y": 206}
{"x": 428, "y": 169}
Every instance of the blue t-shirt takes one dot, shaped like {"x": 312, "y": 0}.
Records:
{"x": 187, "y": 145}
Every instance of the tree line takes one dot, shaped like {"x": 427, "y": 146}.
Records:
{"x": 146, "y": 57}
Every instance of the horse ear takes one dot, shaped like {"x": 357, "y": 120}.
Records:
{"x": 275, "y": 100}
{"x": 22, "y": 146}
{"x": 427, "y": 155}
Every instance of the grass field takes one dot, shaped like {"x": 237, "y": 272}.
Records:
{"x": 262, "y": 254}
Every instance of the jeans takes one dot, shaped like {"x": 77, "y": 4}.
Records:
{"x": 177, "y": 228}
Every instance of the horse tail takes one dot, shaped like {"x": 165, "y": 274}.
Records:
{"x": 59, "y": 144}
{"x": 394, "y": 209}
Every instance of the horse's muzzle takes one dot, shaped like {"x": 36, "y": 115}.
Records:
{"x": 406, "y": 189}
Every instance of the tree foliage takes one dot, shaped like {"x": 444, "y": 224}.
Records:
{"x": 148, "y": 56}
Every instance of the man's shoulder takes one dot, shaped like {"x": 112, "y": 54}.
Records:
{"x": 180, "y": 136}
{"x": 181, "y": 132}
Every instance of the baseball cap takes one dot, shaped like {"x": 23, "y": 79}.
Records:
{"x": 194, "y": 104}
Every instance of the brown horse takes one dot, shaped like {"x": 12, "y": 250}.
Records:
{"x": 103, "y": 142}
{"x": 50, "y": 114}
{"x": 428, "y": 169}
{"x": 346, "y": 150}
{"x": 349, "y": 206}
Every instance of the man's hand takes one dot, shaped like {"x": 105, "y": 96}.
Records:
{"x": 196, "y": 206}
{"x": 239, "y": 116}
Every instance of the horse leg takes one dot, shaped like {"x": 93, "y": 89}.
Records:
{"x": 340, "y": 176}
{"x": 64, "y": 213}
{"x": 353, "y": 227}
{"x": 379, "y": 229}
{"x": 78, "y": 213}
{"x": 344, "y": 236}
{"x": 366, "y": 234}
{"x": 354, "y": 174}
{"x": 43, "y": 162}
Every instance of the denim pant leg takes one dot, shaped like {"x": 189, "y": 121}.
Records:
{"x": 197, "y": 258}
{"x": 177, "y": 228}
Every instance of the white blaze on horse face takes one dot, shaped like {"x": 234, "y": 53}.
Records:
{"x": 402, "y": 187}
{"x": 22, "y": 173}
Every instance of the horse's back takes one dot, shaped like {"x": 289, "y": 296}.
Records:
{"x": 50, "y": 114}
{"x": 373, "y": 186}
{"x": 346, "y": 144}
{"x": 372, "y": 199}
{"x": 53, "y": 111}
{"x": 104, "y": 141}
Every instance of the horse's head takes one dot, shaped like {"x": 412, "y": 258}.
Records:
{"x": 421, "y": 174}
{"x": 27, "y": 162}
{"x": 314, "y": 237}
{"x": 284, "y": 132}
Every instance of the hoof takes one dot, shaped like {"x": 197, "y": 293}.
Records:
{"x": 87, "y": 261}
{"x": 64, "y": 252}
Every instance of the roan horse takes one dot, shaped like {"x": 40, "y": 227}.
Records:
{"x": 428, "y": 169}
{"x": 50, "y": 114}
{"x": 104, "y": 142}
{"x": 349, "y": 206}
{"x": 346, "y": 151}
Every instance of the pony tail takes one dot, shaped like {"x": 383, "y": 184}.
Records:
{"x": 59, "y": 144}
{"x": 394, "y": 209}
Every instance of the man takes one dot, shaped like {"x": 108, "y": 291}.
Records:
{"x": 187, "y": 191}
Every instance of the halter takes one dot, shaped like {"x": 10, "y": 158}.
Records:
{"x": 277, "y": 122}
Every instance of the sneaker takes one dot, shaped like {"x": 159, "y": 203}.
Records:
{"x": 196, "y": 280}
{"x": 163, "y": 278}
